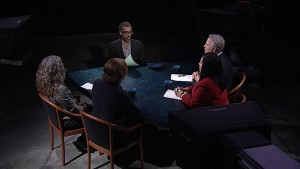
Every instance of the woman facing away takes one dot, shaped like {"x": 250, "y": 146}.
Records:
{"x": 209, "y": 90}
{"x": 50, "y": 78}
{"x": 110, "y": 101}
{"x": 113, "y": 104}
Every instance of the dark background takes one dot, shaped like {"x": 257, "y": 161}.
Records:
{"x": 263, "y": 32}
{"x": 55, "y": 17}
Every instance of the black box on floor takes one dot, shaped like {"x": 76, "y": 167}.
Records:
{"x": 196, "y": 133}
{"x": 13, "y": 37}
{"x": 232, "y": 143}
{"x": 266, "y": 157}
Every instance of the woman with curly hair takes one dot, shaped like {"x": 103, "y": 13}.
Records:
{"x": 49, "y": 81}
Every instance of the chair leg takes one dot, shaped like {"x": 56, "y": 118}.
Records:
{"x": 112, "y": 161}
{"x": 62, "y": 142}
{"x": 51, "y": 137}
{"x": 141, "y": 154}
{"x": 89, "y": 156}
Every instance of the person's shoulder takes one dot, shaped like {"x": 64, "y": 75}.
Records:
{"x": 98, "y": 81}
{"x": 224, "y": 56}
{"x": 136, "y": 41}
{"x": 62, "y": 87}
{"x": 115, "y": 41}
{"x": 206, "y": 81}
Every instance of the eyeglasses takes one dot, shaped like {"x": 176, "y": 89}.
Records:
{"x": 127, "y": 32}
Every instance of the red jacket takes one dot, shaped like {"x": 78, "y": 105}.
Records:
{"x": 205, "y": 93}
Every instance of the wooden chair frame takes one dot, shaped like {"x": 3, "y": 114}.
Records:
{"x": 238, "y": 98}
{"x": 56, "y": 123}
{"x": 111, "y": 151}
{"x": 235, "y": 89}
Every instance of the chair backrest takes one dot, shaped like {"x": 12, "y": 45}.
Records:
{"x": 100, "y": 131}
{"x": 55, "y": 112}
{"x": 97, "y": 130}
{"x": 238, "y": 80}
{"x": 51, "y": 110}
{"x": 238, "y": 98}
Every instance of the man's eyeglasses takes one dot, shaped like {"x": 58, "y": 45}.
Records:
{"x": 127, "y": 32}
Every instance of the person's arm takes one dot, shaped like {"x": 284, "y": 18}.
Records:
{"x": 137, "y": 51}
{"x": 133, "y": 114}
{"x": 179, "y": 91}
{"x": 141, "y": 53}
{"x": 196, "y": 76}
{"x": 66, "y": 100}
{"x": 200, "y": 96}
{"x": 109, "y": 52}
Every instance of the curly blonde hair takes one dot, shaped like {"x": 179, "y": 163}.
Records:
{"x": 50, "y": 74}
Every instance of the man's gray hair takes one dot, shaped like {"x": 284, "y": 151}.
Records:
{"x": 218, "y": 42}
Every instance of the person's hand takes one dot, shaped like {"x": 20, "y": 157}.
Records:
{"x": 77, "y": 99}
{"x": 196, "y": 76}
{"x": 184, "y": 89}
{"x": 82, "y": 103}
{"x": 178, "y": 91}
{"x": 87, "y": 107}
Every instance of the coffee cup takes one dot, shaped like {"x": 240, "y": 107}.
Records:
{"x": 167, "y": 84}
{"x": 176, "y": 69}
{"x": 131, "y": 92}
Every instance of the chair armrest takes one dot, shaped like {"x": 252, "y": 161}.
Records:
{"x": 58, "y": 108}
{"x": 114, "y": 126}
{"x": 131, "y": 129}
{"x": 238, "y": 98}
{"x": 68, "y": 113}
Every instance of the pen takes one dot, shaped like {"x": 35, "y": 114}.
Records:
{"x": 181, "y": 75}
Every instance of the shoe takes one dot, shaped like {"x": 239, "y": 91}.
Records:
{"x": 80, "y": 147}
{"x": 81, "y": 140}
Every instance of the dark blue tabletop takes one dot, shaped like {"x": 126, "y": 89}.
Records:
{"x": 149, "y": 84}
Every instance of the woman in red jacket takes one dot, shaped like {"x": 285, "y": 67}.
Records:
{"x": 209, "y": 90}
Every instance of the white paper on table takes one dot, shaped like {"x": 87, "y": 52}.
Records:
{"x": 88, "y": 86}
{"x": 181, "y": 77}
{"x": 171, "y": 94}
{"x": 130, "y": 62}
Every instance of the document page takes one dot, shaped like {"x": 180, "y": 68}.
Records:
{"x": 88, "y": 86}
{"x": 130, "y": 62}
{"x": 181, "y": 77}
{"x": 171, "y": 94}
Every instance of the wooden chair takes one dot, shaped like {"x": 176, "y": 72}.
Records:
{"x": 238, "y": 98}
{"x": 58, "y": 124}
{"x": 100, "y": 136}
{"x": 238, "y": 80}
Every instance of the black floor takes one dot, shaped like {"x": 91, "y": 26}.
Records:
{"x": 24, "y": 128}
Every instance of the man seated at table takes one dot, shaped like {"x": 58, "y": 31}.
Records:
{"x": 215, "y": 43}
{"x": 125, "y": 46}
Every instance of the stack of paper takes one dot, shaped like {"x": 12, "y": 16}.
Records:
{"x": 171, "y": 94}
